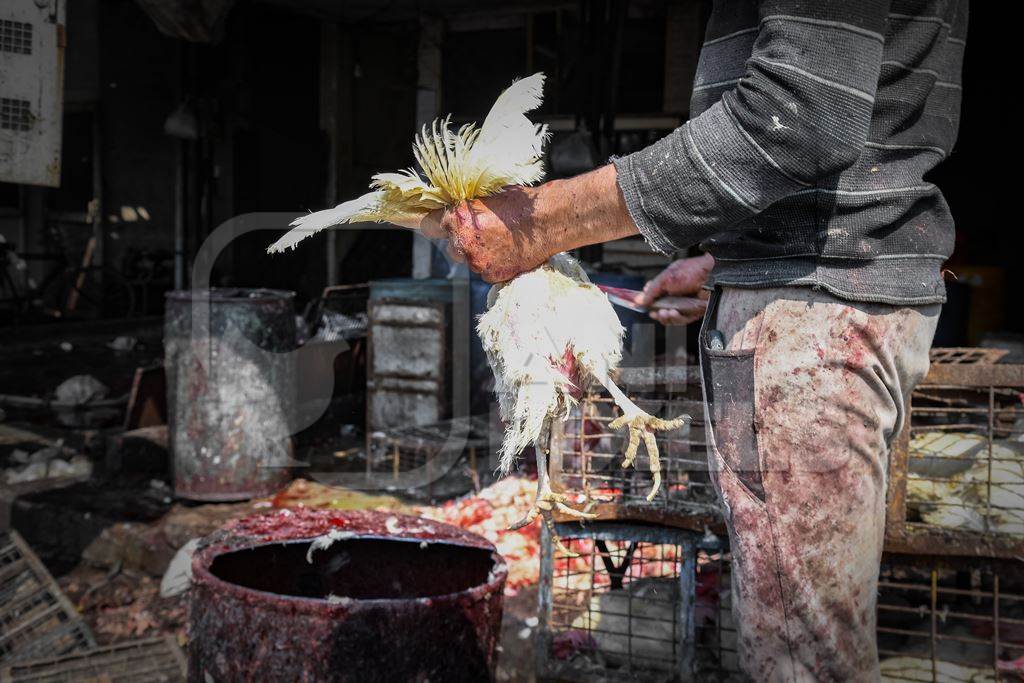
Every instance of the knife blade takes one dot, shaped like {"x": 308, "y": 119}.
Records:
{"x": 623, "y": 297}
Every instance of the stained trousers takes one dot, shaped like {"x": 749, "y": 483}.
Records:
{"x": 802, "y": 404}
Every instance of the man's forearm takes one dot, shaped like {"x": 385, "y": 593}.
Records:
{"x": 519, "y": 229}
{"x": 584, "y": 210}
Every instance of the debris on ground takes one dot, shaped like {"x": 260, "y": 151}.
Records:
{"x": 79, "y": 390}
{"x": 124, "y": 605}
{"x": 178, "y": 577}
{"x": 490, "y": 513}
{"x": 123, "y": 343}
{"x": 75, "y": 394}
{"x": 46, "y": 463}
{"x": 150, "y": 659}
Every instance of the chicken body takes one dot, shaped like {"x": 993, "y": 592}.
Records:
{"x": 549, "y": 334}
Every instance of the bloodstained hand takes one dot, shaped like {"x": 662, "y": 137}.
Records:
{"x": 496, "y": 236}
{"x": 520, "y": 228}
{"x": 685, "y": 277}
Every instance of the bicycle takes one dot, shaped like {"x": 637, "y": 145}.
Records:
{"x": 68, "y": 292}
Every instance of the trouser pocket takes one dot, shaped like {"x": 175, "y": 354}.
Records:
{"x": 729, "y": 393}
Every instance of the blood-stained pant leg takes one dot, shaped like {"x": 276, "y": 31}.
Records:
{"x": 803, "y": 403}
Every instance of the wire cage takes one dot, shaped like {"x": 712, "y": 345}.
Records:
{"x": 957, "y": 472}
{"x": 950, "y": 619}
{"x": 613, "y": 612}
{"x": 36, "y": 619}
{"x": 152, "y": 660}
{"x": 621, "y": 607}
{"x": 939, "y": 619}
{"x": 586, "y": 456}
{"x": 420, "y": 455}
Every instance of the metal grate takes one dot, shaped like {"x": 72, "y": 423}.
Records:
{"x": 36, "y": 619}
{"x": 16, "y": 37}
{"x": 966, "y": 355}
{"x": 586, "y": 456}
{"x": 435, "y": 448}
{"x": 15, "y": 114}
{"x": 966, "y": 458}
{"x": 622, "y": 607}
{"x": 156, "y": 660}
{"x": 961, "y": 621}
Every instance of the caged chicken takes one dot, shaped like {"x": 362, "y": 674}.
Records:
{"x": 549, "y": 333}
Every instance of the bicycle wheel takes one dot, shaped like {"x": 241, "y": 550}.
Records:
{"x": 88, "y": 293}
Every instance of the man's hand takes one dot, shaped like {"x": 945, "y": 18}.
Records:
{"x": 685, "y": 277}
{"x": 496, "y": 236}
{"x": 520, "y": 228}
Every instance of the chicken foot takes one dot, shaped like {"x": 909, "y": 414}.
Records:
{"x": 641, "y": 425}
{"x": 547, "y": 501}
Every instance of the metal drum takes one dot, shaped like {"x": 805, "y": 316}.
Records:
{"x": 330, "y": 595}
{"x": 230, "y": 387}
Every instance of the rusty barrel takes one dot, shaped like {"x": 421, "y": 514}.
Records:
{"x": 230, "y": 385}
{"x": 330, "y": 595}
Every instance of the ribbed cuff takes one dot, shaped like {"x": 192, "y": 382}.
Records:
{"x": 655, "y": 236}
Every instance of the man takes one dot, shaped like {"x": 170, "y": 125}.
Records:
{"x": 801, "y": 173}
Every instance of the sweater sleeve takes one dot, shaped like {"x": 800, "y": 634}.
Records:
{"x": 800, "y": 113}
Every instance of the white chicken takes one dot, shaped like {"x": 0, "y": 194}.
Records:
{"x": 549, "y": 333}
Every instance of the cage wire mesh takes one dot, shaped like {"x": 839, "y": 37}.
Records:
{"x": 586, "y": 456}
{"x": 950, "y": 619}
{"x": 36, "y": 619}
{"x": 938, "y": 619}
{"x": 152, "y": 660}
{"x": 965, "y": 467}
{"x": 434, "y": 447}
{"x": 622, "y": 607}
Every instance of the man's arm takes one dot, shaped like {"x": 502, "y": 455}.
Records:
{"x": 801, "y": 113}
{"x": 519, "y": 229}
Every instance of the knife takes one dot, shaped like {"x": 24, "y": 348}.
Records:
{"x": 620, "y": 296}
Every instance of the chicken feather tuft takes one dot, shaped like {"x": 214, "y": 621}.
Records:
{"x": 465, "y": 164}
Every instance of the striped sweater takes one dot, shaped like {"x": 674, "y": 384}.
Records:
{"x": 813, "y": 124}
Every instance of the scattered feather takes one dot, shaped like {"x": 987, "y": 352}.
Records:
{"x": 326, "y": 541}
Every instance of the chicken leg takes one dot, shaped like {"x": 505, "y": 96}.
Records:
{"x": 641, "y": 425}
{"x": 547, "y": 501}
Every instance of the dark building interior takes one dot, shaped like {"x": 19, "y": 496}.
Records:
{"x": 180, "y": 118}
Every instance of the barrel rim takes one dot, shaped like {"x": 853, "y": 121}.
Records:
{"x": 218, "y": 544}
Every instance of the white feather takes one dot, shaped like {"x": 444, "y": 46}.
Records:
{"x": 359, "y": 209}
{"x": 530, "y": 323}
{"x": 510, "y": 145}
{"x": 460, "y": 165}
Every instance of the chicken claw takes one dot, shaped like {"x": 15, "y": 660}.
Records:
{"x": 546, "y": 502}
{"x": 642, "y": 426}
